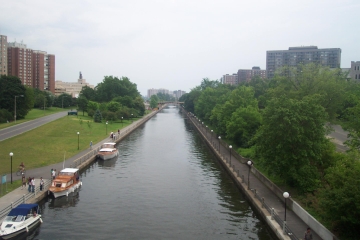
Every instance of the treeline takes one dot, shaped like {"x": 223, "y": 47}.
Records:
{"x": 282, "y": 124}
{"x": 114, "y": 98}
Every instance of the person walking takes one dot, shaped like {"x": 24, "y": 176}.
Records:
{"x": 53, "y": 174}
{"x": 90, "y": 145}
{"x": 308, "y": 234}
{"x": 41, "y": 184}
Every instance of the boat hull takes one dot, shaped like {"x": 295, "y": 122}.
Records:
{"x": 55, "y": 193}
{"x": 108, "y": 156}
{"x": 30, "y": 224}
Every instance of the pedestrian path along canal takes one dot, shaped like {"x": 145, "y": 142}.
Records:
{"x": 165, "y": 184}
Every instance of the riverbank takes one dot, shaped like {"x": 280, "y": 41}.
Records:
{"x": 265, "y": 196}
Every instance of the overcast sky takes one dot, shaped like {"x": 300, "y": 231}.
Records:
{"x": 174, "y": 44}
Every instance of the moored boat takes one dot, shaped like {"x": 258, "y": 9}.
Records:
{"x": 65, "y": 183}
{"x": 108, "y": 151}
{"x": 20, "y": 219}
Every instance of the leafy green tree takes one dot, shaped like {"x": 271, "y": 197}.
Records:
{"x": 88, "y": 93}
{"x": 154, "y": 100}
{"x": 97, "y": 116}
{"x": 339, "y": 199}
{"x": 139, "y": 105}
{"x": 206, "y": 82}
{"x": 92, "y": 106}
{"x": 82, "y": 103}
{"x": 112, "y": 87}
{"x": 191, "y": 99}
{"x": 30, "y": 97}
{"x": 113, "y": 106}
{"x": 11, "y": 86}
{"x": 291, "y": 143}
{"x": 125, "y": 101}
{"x": 63, "y": 100}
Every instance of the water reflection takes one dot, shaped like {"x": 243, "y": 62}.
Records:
{"x": 107, "y": 164}
{"x": 63, "y": 202}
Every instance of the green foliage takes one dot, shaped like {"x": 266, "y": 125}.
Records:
{"x": 11, "y": 86}
{"x": 92, "y": 106}
{"x": 88, "y": 93}
{"x": 113, "y": 106}
{"x": 154, "y": 100}
{"x": 97, "y": 116}
{"x": 63, "y": 100}
{"x": 112, "y": 87}
{"x": 111, "y": 116}
{"x": 5, "y": 116}
{"x": 139, "y": 105}
{"x": 340, "y": 198}
{"x": 82, "y": 103}
{"x": 291, "y": 141}
{"x": 91, "y": 113}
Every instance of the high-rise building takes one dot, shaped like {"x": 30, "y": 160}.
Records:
{"x": 3, "y": 55}
{"x": 34, "y": 68}
{"x": 276, "y": 59}
{"x": 20, "y": 62}
{"x": 245, "y": 75}
{"x": 230, "y": 79}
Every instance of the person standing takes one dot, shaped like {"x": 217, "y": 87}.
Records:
{"x": 308, "y": 234}
{"x": 23, "y": 180}
{"x": 33, "y": 185}
{"x": 90, "y": 145}
{"x": 29, "y": 184}
{"x": 41, "y": 184}
{"x": 53, "y": 174}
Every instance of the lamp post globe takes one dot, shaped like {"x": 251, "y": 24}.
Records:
{"x": 11, "y": 155}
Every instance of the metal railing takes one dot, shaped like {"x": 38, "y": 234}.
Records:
{"x": 4, "y": 212}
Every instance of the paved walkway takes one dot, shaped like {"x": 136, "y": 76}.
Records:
{"x": 294, "y": 223}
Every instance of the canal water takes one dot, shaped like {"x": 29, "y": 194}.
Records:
{"x": 165, "y": 184}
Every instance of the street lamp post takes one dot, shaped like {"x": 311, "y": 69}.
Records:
{"x": 206, "y": 131}
{"x": 78, "y": 140}
{"x": 230, "y": 147}
{"x": 211, "y": 134}
{"x": 122, "y": 123}
{"x": 249, "y": 163}
{"x": 15, "y": 106}
{"x": 285, "y": 195}
{"x": 11, "y": 154}
{"x": 131, "y": 117}
{"x": 219, "y": 143}
{"x": 106, "y": 127}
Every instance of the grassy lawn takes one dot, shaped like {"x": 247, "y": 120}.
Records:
{"x": 33, "y": 114}
{"x": 47, "y": 144}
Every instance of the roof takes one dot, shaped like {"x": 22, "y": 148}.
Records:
{"x": 106, "y": 149}
{"x": 22, "y": 209}
{"x": 70, "y": 170}
{"x": 110, "y": 143}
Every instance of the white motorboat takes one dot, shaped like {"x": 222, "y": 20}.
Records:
{"x": 108, "y": 151}
{"x": 20, "y": 219}
{"x": 65, "y": 183}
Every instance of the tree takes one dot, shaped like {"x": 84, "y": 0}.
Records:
{"x": 139, "y": 105}
{"x": 11, "y": 86}
{"x": 113, "y": 106}
{"x": 82, "y": 103}
{"x": 97, "y": 116}
{"x": 154, "y": 100}
{"x": 92, "y": 105}
{"x": 339, "y": 199}
{"x": 88, "y": 93}
{"x": 63, "y": 100}
{"x": 112, "y": 87}
{"x": 291, "y": 143}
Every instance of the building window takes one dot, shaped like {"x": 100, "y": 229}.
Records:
{"x": 356, "y": 76}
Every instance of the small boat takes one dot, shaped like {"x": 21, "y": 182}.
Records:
{"x": 20, "y": 219}
{"x": 65, "y": 183}
{"x": 108, "y": 151}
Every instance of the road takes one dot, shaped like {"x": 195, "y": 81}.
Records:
{"x": 27, "y": 126}
{"x": 339, "y": 136}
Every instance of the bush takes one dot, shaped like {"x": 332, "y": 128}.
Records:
{"x": 91, "y": 113}
{"x": 97, "y": 116}
{"x": 5, "y": 116}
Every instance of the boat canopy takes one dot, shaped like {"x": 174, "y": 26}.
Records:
{"x": 23, "y": 209}
{"x": 106, "y": 149}
{"x": 69, "y": 170}
{"x": 109, "y": 143}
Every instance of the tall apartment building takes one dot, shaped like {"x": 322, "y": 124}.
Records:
{"x": 245, "y": 75}
{"x": 156, "y": 91}
{"x": 178, "y": 93}
{"x": 34, "y": 68}
{"x": 230, "y": 79}
{"x": 276, "y": 59}
{"x": 3, "y": 55}
{"x": 20, "y": 62}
